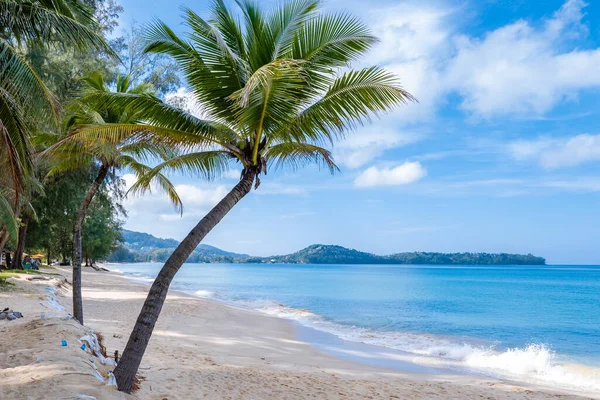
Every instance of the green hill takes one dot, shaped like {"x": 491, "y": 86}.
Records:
{"x": 143, "y": 247}
{"x": 328, "y": 254}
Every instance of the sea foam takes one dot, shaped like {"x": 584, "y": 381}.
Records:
{"x": 534, "y": 363}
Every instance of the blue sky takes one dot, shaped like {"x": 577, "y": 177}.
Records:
{"x": 501, "y": 154}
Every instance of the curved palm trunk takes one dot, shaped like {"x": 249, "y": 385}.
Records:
{"x": 17, "y": 262}
{"x": 140, "y": 336}
{"x": 79, "y": 217}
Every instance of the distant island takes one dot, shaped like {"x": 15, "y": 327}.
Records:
{"x": 143, "y": 247}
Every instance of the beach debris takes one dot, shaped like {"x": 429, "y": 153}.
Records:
{"x": 84, "y": 396}
{"x": 95, "y": 374}
{"x": 82, "y": 347}
{"x": 117, "y": 356}
{"x": 94, "y": 345}
{"x": 10, "y": 314}
{"x": 39, "y": 359}
{"x": 50, "y": 289}
{"x": 52, "y": 302}
{"x": 63, "y": 343}
{"x": 112, "y": 381}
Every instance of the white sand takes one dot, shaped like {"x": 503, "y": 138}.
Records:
{"x": 200, "y": 350}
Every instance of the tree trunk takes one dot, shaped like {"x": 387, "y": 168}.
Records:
{"x": 140, "y": 336}
{"x": 79, "y": 217}
{"x": 17, "y": 262}
{"x": 3, "y": 240}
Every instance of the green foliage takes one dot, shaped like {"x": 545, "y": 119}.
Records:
{"x": 101, "y": 229}
{"x": 52, "y": 232}
{"x": 158, "y": 71}
{"x": 27, "y": 30}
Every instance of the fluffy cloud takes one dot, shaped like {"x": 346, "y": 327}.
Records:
{"x": 558, "y": 153}
{"x": 406, "y": 173}
{"x": 517, "y": 69}
{"x": 415, "y": 38}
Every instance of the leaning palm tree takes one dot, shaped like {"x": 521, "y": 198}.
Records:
{"x": 272, "y": 95}
{"x": 25, "y": 102}
{"x": 73, "y": 152}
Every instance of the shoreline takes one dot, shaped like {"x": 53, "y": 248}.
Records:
{"x": 202, "y": 348}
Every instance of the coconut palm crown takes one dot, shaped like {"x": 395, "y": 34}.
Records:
{"x": 269, "y": 88}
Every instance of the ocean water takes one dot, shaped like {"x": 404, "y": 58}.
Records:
{"x": 539, "y": 324}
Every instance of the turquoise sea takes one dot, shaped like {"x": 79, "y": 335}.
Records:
{"x": 538, "y": 324}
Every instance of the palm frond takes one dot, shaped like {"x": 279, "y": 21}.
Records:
{"x": 229, "y": 28}
{"x": 151, "y": 111}
{"x": 52, "y": 20}
{"x": 285, "y": 22}
{"x": 296, "y": 155}
{"x": 14, "y": 135}
{"x": 26, "y": 88}
{"x": 205, "y": 164}
{"x": 7, "y": 216}
{"x": 352, "y": 98}
{"x": 144, "y": 184}
{"x": 259, "y": 38}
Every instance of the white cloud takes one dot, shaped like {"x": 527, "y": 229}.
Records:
{"x": 232, "y": 174}
{"x": 518, "y": 69}
{"x": 521, "y": 68}
{"x": 362, "y": 147}
{"x": 552, "y": 153}
{"x": 584, "y": 184}
{"x": 415, "y": 37}
{"x": 403, "y": 174}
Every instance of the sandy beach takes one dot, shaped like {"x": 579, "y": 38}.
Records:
{"x": 201, "y": 349}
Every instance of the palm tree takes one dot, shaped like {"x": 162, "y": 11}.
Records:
{"x": 272, "y": 96}
{"x": 25, "y": 101}
{"x": 72, "y": 152}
